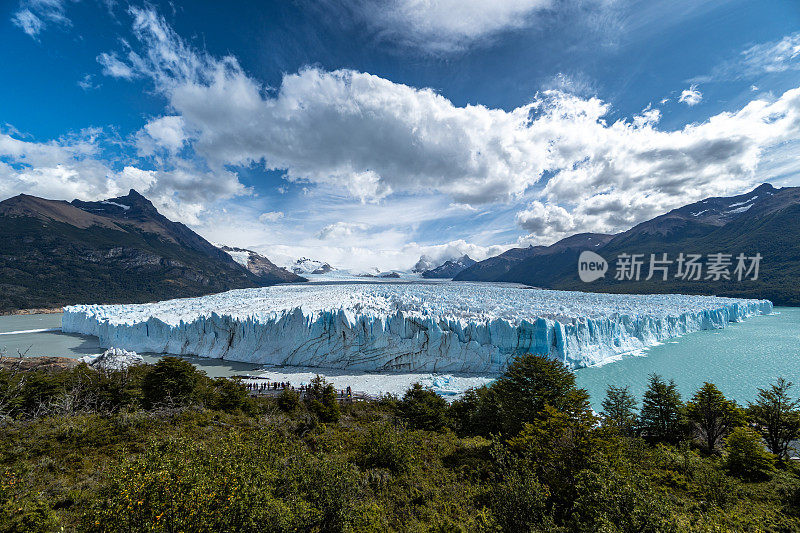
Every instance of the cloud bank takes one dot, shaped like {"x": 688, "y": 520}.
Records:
{"x": 559, "y": 157}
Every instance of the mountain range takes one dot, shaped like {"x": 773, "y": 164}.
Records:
{"x": 120, "y": 250}
{"x": 450, "y": 268}
{"x": 765, "y": 221}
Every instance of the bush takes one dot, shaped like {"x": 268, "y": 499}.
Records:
{"x": 227, "y": 395}
{"x": 170, "y": 382}
{"x": 423, "y": 409}
{"x": 382, "y": 446}
{"x": 21, "y": 513}
{"x": 711, "y": 486}
{"x": 238, "y": 483}
{"x": 321, "y": 400}
{"x": 288, "y": 400}
{"x": 612, "y": 500}
{"x": 520, "y": 503}
{"x": 747, "y": 457}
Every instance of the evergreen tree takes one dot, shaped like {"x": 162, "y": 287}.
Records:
{"x": 662, "y": 410}
{"x": 531, "y": 383}
{"x": 619, "y": 410}
{"x": 712, "y": 415}
{"x": 321, "y": 400}
{"x": 171, "y": 381}
{"x": 777, "y": 417}
{"x": 423, "y": 409}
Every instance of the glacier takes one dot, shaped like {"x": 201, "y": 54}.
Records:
{"x": 405, "y": 327}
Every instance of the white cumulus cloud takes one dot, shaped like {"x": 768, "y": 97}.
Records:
{"x": 691, "y": 96}
{"x": 357, "y": 132}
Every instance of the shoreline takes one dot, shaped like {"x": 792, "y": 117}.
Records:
{"x": 34, "y": 311}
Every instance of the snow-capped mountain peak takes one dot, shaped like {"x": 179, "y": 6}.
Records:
{"x": 305, "y": 265}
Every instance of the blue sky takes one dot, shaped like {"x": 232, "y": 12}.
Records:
{"x": 369, "y": 132}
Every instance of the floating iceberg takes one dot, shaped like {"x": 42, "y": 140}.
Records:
{"x": 113, "y": 359}
{"x": 444, "y": 327}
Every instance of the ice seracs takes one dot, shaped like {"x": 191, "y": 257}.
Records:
{"x": 113, "y": 359}
{"x": 444, "y": 327}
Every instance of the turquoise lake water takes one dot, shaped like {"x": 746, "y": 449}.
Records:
{"x": 738, "y": 359}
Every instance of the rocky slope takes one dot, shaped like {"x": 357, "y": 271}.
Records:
{"x": 261, "y": 266}
{"x": 451, "y": 268}
{"x": 54, "y": 253}
{"x": 765, "y": 221}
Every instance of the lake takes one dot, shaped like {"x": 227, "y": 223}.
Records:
{"x": 738, "y": 359}
{"x": 70, "y": 345}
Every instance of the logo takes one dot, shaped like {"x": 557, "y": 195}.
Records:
{"x": 591, "y": 266}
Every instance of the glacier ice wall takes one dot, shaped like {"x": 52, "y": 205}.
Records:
{"x": 446, "y": 327}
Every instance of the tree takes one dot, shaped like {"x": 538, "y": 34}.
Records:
{"x": 476, "y": 412}
{"x": 228, "y": 395}
{"x": 619, "y": 410}
{"x": 171, "y": 381}
{"x": 531, "y": 383}
{"x": 288, "y": 400}
{"x": 713, "y": 415}
{"x": 423, "y": 409}
{"x": 662, "y": 408}
{"x": 747, "y": 457}
{"x": 777, "y": 417}
{"x": 321, "y": 400}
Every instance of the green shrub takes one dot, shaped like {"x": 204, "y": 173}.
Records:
{"x": 238, "y": 483}
{"x": 711, "y": 486}
{"x": 382, "y": 446}
{"x": 288, "y": 400}
{"x": 423, "y": 409}
{"x": 20, "y": 512}
{"x": 747, "y": 457}
{"x": 228, "y": 395}
{"x": 321, "y": 400}
{"x": 612, "y": 500}
{"x": 170, "y": 382}
{"x": 520, "y": 503}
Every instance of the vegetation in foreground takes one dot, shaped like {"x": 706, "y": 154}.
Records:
{"x": 165, "y": 448}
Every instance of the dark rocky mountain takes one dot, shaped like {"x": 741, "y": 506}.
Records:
{"x": 261, "y": 266}
{"x": 121, "y": 250}
{"x": 506, "y": 266}
{"x": 764, "y": 221}
{"x": 451, "y": 268}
